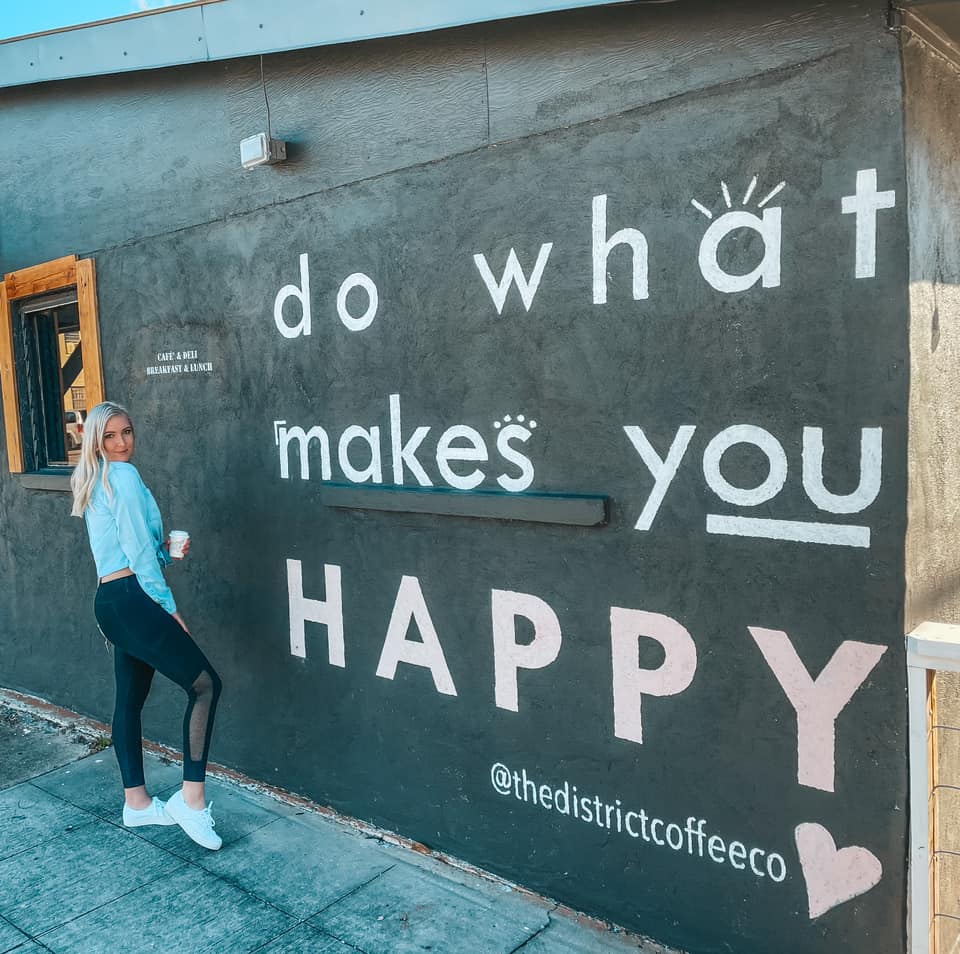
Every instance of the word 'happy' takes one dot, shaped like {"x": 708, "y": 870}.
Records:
{"x": 817, "y": 701}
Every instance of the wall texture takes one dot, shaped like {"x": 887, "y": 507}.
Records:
{"x": 148, "y": 153}
{"x": 933, "y": 169}
{"x": 932, "y": 564}
{"x": 607, "y": 714}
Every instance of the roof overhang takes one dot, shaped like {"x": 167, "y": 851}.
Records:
{"x": 222, "y": 29}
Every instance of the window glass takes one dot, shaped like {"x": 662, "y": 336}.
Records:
{"x": 49, "y": 356}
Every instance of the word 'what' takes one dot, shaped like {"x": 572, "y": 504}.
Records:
{"x": 864, "y": 205}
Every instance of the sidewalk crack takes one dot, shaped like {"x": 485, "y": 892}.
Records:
{"x": 341, "y": 940}
{"x": 38, "y": 938}
{"x": 352, "y": 891}
{"x": 536, "y": 933}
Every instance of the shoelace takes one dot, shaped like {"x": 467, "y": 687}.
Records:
{"x": 207, "y": 817}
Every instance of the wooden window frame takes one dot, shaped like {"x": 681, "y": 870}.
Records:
{"x": 61, "y": 273}
{"x": 931, "y": 648}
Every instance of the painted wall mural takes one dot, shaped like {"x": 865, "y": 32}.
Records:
{"x": 461, "y": 443}
{"x": 832, "y": 876}
{"x": 688, "y": 718}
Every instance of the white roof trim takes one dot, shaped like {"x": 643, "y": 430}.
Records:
{"x": 231, "y": 28}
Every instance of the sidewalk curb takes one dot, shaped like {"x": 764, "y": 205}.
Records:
{"x": 96, "y": 730}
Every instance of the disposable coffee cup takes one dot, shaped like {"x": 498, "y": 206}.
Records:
{"x": 178, "y": 540}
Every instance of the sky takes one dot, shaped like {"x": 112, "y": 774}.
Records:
{"x": 19, "y": 17}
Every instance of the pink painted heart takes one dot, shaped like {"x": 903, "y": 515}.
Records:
{"x": 833, "y": 876}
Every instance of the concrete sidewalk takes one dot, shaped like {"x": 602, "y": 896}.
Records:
{"x": 287, "y": 881}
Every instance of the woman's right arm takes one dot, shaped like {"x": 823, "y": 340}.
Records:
{"x": 136, "y": 541}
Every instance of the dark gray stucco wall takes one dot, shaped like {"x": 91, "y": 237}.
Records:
{"x": 412, "y": 157}
{"x": 933, "y": 169}
{"x": 94, "y": 163}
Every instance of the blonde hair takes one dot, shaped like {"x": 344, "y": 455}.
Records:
{"x": 84, "y": 477}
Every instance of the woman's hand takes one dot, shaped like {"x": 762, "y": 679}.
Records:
{"x": 186, "y": 549}
{"x": 179, "y": 619}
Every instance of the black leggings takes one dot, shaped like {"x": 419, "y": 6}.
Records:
{"x": 146, "y": 638}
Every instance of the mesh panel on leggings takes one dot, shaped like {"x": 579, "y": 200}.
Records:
{"x": 203, "y": 695}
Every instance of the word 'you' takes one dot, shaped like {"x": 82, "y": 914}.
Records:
{"x": 664, "y": 470}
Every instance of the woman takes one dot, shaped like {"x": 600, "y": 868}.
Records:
{"x": 136, "y": 612}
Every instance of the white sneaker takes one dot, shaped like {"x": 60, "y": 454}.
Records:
{"x": 197, "y": 823}
{"x": 153, "y": 814}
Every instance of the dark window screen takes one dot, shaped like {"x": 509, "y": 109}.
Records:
{"x": 49, "y": 359}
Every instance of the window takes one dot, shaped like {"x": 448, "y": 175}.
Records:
{"x": 50, "y": 368}
{"x": 933, "y": 681}
{"x": 47, "y": 369}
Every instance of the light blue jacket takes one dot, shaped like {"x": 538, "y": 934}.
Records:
{"x": 127, "y": 531}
